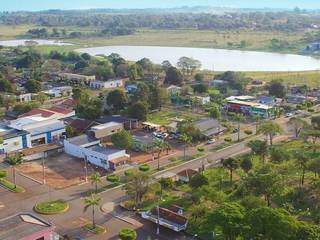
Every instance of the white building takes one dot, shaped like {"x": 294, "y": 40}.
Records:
{"x": 203, "y": 100}
{"x": 89, "y": 148}
{"x": 42, "y": 130}
{"x": 64, "y": 91}
{"x": 26, "y": 97}
{"x": 112, "y": 83}
{"x": 13, "y": 139}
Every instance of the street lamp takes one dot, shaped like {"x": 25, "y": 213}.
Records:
{"x": 158, "y": 220}
{"x": 43, "y": 172}
{"x": 85, "y": 169}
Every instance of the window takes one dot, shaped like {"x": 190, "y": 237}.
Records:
{"x": 42, "y": 238}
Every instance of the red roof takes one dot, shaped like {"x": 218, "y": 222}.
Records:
{"x": 36, "y": 111}
{"x": 170, "y": 215}
{"x": 81, "y": 125}
{"x": 68, "y": 103}
{"x": 61, "y": 110}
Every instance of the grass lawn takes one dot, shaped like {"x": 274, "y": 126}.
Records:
{"x": 95, "y": 230}
{"x": 9, "y": 185}
{"x": 52, "y": 207}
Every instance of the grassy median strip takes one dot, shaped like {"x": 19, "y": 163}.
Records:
{"x": 94, "y": 229}
{"x": 10, "y": 186}
{"x": 51, "y": 207}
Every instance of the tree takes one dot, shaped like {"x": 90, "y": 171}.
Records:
{"x": 186, "y": 139}
{"x": 160, "y": 146}
{"x": 137, "y": 186}
{"x": 6, "y": 86}
{"x": 215, "y": 111}
{"x": 308, "y": 231}
{"x": 33, "y": 86}
{"x": 3, "y": 174}
{"x": 198, "y": 180}
{"x": 269, "y": 223}
{"x": 231, "y": 164}
{"x": 259, "y": 148}
{"x": 127, "y": 234}
{"x": 199, "y": 77}
{"x": 117, "y": 99}
{"x": 230, "y": 218}
{"x": 92, "y": 202}
{"x": 302, "y": 162}
{"x": 9, "y": 101}
{"x": 142, "y": 93}
{"x": 95, "y": 179}
{"x": 89, "y": 108}
{"x": 14, "y": 160}
{"x": 200, "y": 88}
{"x": 238, "y": 118}
{"x": 257, "y": 119}
{"x": 270, "y": 129}
{"x": 138, "y": 110}
{"x": 122, "y": 140}
{"x": 277, "y": 89}
{"x": 246, "y": 165}
{"x": 298, "y": 125}
{"x": 188, "y": 65}
{"x": 314, "y": 166}
{"x": 315, "y": 122}
{"x": 173, "y": 76}
{"x": 279, "y": 154}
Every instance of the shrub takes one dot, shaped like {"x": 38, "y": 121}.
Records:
{"x": 144, "y": 168}
{"x": 228, "y": 139}
{"x": 128, "y": 172}
{"x": 128, "y": 234}
{"x": 113, "y": 178}
{"x": 310, "y": 110}
{"x": 248, "y": 132}
{"x": 173, "y": 159}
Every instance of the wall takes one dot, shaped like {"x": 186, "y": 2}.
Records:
{"x": 15, "y": 144}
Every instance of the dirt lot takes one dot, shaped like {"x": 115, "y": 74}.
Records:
{"x": 61, "y": 171}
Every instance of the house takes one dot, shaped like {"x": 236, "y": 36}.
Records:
{"x": 89, "y": 148}
{"x": 210, "y": 127}
{"x": 217, "y": 83}
{"x": 143, "y": 142}
{"x": 42, "y": 130}
{"x": 171, "y": 218}
{"x": 203, "y": 100}
{"x": 296, "y": 98}
{"x": 248, "y": 105}
{"x": 63, "y": 91}
{"x": 26, "y": 226}
{"x": 24, "y": 97}
{"x": 268, "y": 100}
{"x": 56, "y": 112}
{"x": 79, "y": 125}
{"x": 168, "y": 175}
{"x": 173, "y": 90}
{"x": 13, "y": 139}
{"x": 131, "y": 88}
{"x": 103, "y": 131}
{"x": 128, "y": 123}
{"x": 112, "y": 83}
{"x": 77, "y": 78}
{"x": 185, "y": 175}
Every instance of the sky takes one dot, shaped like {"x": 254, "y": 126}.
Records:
{"x": 35, "y": 5}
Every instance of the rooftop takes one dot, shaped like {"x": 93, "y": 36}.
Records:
{"x": 82, "y": 140}
{"x": 104, "y": 150}
{"x": 22, "y": 225}
{"x": 187, "y": 173}
{"x": 114, "y": 118}
{"x": 7, "y": 132}
{"x": 105, "y": 125}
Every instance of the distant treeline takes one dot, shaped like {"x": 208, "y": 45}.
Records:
{"x": 127, "y": 23}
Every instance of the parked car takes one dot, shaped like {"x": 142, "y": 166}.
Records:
{"x": 288, "y": 115}
{"x": 235, "y": 130}
{"x": 211, "y": 141}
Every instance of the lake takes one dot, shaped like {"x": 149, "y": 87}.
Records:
{"x": 214, "y": 59}
{"x": 25, "y": 42}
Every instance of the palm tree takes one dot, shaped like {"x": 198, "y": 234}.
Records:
{"x": 95, "y": 179}
{"x": 13, "y": 161}
{"x": 257, "y": 119}
{"x": 298, "y": 125}
{"x": 270, "y": 129}
{"x": 160, "y": 146}
{"x": 238, "y": 118}
{"x": 186, "y": 139}
{"x": 231, "y": 164}
{"x": 93, "y": 202}
{"x": 302, "y": 163}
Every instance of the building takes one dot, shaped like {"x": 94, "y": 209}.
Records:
{"x": 13, "y": 139}
{"x": 203, "y": 100}
{"x": 42, "y": 130}
{"x": 56, "y": 112}
{"x": 25, "y": 97}
{"x": 79, "y": 126}
{"x": 173, "y": 90}
{"x": 299, "y": 98}
{"x": 217, "y": 83}
{"x": 89, "y": 148}
{"x": 77, "y": 78}
{"x": 112, "y": 83}
{"x": 248, "y": 105}
{"x": 131, "y": 88}
{"x": 185, "y": 175}
{"x": 26, "y": 226}
{"x": 128, "y": 123}
{"x": 63, "y": 91}
{"x": 210, "y": 127}
{"x": 103, "y": 131}
{"x": 171, "y": 218}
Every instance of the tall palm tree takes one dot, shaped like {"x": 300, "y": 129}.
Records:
{"x": 13, "y": 161}
{"x": 257, "y": 119}
{"x": 238, "y": 118}
{"x": 186, "y": 139}
{"x": 270, "y": 129}
{"x": 92, "y": 202}
{"x": 302, "y": 163}
{"x": 231, "y": 164}
{"x": 95, "y": 179}
{"x": 160, "y": 146}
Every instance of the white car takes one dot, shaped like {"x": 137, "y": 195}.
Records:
{"x": 211, "y": 141}
{"x": 289, "y": 115}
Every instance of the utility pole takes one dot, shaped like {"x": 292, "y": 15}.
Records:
{"x": 43, "y": 172}
{"x": 158, "y": 221}
{"x": 85, "y": 169}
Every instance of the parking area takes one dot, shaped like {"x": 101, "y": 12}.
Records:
{"x": 61, "y": 170}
